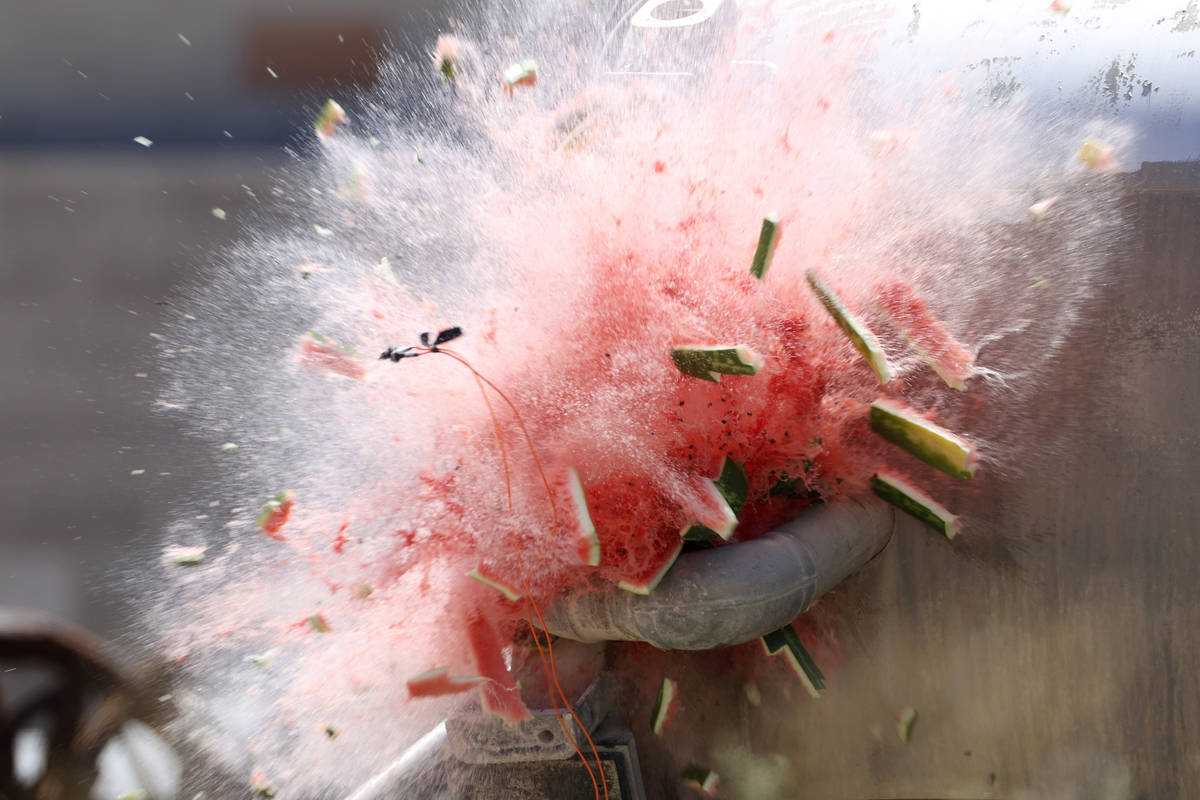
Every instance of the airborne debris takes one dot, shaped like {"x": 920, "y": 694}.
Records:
{"x": 905, "y": 720}
{"x": 275, "y": 514}
{"x": 701, "y": 778}
{"x": 495, "y": 583}
{"x": 143, "y": 141}
{"x": 859, "y": 334}
{"x": 911, "y": 500}
{"x": 768, "y": 238}
{"x": 438, "y": 682}
{"x": 261, "y": 786}
{"x": 709, "y": 362}
{"x": 785, "y": 639}
{"x": 522, "y": 73}
{"x": 1095, "y": 153}
{"x": 928, "y": 441}
{"x": 445, "y": 57}
{"x": 328, "y": 120}
{"x": 663, "y": 705}
{"x": 186, "y": 556}
{"x": 1039, "y": 209}
{"x": 263, "y": 659}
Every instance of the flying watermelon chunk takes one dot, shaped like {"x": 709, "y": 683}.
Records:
{"x": 664, "y": 704}
{"x": 585, "y": 541}
{"x": 321, "y": 351}
{"x": 926, "y": 440}
{"x": 911, "y": 500}
{"x": 275, "y": 514}
{"x": 498, "y": 692}
{"x": 856, "y": 331}
{"x": 925, "y": 334}
{"x": 487, "y": 578}
{"x": 438, "y": 682}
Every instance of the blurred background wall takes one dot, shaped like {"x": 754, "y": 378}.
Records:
{"x": 98, "y": 231}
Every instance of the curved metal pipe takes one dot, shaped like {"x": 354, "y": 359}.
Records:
{"x": 733, "y": 594}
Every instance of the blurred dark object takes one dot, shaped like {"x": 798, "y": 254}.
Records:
{"x": 57, "y": 678}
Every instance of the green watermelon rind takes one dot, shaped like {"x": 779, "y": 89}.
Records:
{"x": 914, "y": 502}
{"x": 701, "y": 778}
{"x": 520, "y": 72}
{"x": 332, "y": 115}
{"x": 860, "y": 335}
{"x": 710, "y": 362}
{"x": 649, "y": 585}
{"x": 667, "y": 693}
{"x": 509, "y": 592}
{"x": 933, "y": 444}
{"x": 273, "y": 505}
{"x": 698, "y": 533}
{"x": 904, "y": 723}
{"x": 786, "y": 640}
{"x": 587, "y": 528}
{"x": 768, "y": 237}
{"x": 734, "y": 484}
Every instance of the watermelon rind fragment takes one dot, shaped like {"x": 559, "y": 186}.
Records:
{"x": 733, "y": 484}
{"x": 933, "y": 444}
{"x": 911, "y": 500}
{"x": 904, "y": 723}
{"x": 710, "y": 362}
{"x": 1041, "y": 208}
{"x": 273, "y": 505}
{"x": 383, "y": 273}
{"x": 186, "y": 556}
{"x": 701, "y": 778}
{"x": 768, "y": 237}
{"x": 662, "y": 705}
{"x": 786, "y": 640}
{"x": 586, "y": 527}
{"x": 507, "y": 591}
{"x": 943, "y": 370}
{"x": 773, "y": 642}
{"x": 263, "y": 659}
{"x": 648, "y": 586}
{"x": 699, "y": 533}
{"x": 325, "y": 340}
{"x": 522, "y": 73}
{"x": 330, "y": 117}
{"x": 859, "y": 334}
{"x": 1094, "y": 153}
{"x": 728, "y": 491}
